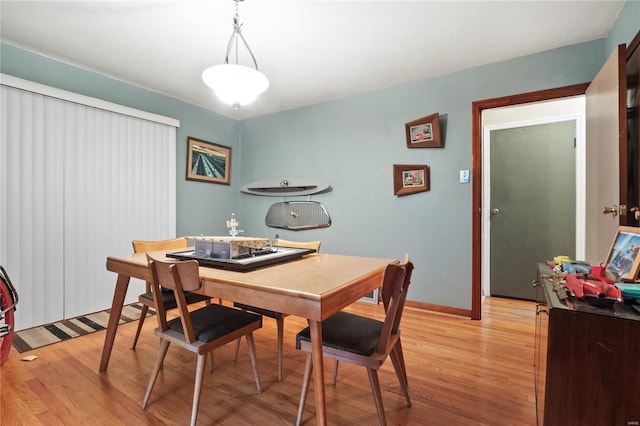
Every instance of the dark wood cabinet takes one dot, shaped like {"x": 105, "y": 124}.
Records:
{"x": 587, "y": 361}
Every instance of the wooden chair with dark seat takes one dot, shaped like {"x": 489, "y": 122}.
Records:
{"x": 200, "y": 331}
{"x": 146, "y": 298}
{"x": 365, "y": 341}
{"x": 278, "y": 316}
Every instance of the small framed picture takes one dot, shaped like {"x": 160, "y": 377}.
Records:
{"x": 410, "y": 178}
{"x": 208, "y": 162}
{"x": 623, "y": 260}
{"x": 424, "y": 132}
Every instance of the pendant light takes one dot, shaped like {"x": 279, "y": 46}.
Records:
{"x": 236, "y": 84}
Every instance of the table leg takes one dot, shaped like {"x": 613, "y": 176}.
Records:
{"x": 119, "y": 294}
{"x": 318, "y": 371}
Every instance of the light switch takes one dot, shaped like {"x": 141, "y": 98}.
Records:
{"x": 464, "y": 176}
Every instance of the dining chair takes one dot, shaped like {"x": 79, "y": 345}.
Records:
{"x": 385, "y": 302}
{"x": 364, "y": 341}
{"x": 200, "y": 331}
{"x": 278, "y": 316}
{"x": 169, "y": 301}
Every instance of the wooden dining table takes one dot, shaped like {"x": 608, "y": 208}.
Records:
{"x": 313, "y": 287}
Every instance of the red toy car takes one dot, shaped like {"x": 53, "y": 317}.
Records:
{"x": 597, "y": 291}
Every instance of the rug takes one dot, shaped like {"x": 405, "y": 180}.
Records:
{"x": 48, "y": 334}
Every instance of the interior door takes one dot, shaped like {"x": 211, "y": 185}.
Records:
{"x": 606, "y": 150}
{"x": 532, "y": 202}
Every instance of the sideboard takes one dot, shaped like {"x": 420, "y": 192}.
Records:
{"x": 587, "y": 360}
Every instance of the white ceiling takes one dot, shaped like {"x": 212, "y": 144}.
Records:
{"x": 311, "y": 51}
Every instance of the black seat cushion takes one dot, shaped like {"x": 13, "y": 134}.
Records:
{"x": 348, "y": 332}
{"x": 170, "y": 301}
{"x": 214, "y": 321}
{"x": 265, "y": 312}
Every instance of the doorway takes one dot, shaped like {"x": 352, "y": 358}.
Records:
{"x": 480, "y": 113}
{"x": 532, "y": 203}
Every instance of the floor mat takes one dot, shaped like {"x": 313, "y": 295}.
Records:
{"x": 43, "y": 335}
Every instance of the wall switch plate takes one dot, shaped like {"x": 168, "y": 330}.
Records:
{"x": 464, "y": 176}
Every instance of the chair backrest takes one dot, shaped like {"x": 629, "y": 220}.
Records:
{"x": 140, "y": 246}
{"x": 314, "y": 245}
{"x": 179, "y": 277}
{"x": 395, "y": 285}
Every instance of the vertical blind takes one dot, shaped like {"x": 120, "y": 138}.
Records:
{"x": 77, "y": 184}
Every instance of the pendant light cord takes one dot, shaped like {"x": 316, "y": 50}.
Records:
{"x": 234, "y": 39}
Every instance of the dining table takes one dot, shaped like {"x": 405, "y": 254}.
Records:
{"x": 314, "y": 287}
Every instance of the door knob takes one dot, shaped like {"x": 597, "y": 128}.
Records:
{"x": 610, "y": 210}
{"x": 636, "y": 212}
{"x": 495, "y": 211}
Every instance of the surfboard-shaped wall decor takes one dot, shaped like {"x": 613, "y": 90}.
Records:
{"x": 286, "y": 187}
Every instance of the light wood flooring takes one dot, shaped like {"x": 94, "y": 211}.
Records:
{"x": 461, "y": 372}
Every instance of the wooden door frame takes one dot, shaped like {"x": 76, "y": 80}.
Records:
{"x": 476, "y": 152}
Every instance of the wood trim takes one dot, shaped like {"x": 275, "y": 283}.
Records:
{"x": 622, "y": 132}
{"x": 633, "y": 45}
{"x": 438, "y": 308}
{"x": 476, "y": 153}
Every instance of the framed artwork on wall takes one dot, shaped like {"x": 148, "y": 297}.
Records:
{"x": 208, "y": 162}
{"x": 424, "y": 132}
{"x": 410, "y": 178}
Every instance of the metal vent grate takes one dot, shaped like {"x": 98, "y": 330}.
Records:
{"x": 298, "y": 215}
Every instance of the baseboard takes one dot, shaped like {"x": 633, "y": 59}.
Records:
{"x": 439, "y": 308}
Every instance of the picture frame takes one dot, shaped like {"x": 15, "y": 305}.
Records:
{"x": 208, "y": 162}
{"x": 623, "y": 259}
{"x": 424, "y": 132}
{"x": 410, "y": 179}
{"x": 372, "y": 297}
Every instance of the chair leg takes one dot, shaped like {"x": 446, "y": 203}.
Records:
{"x": 401, "y": 360}
{"x": 335, "y": 371}
{"x": 398, "y": 365}
{"x": 164, "y": 346}
{"x": 143, "y": 316}
{"x": 202, "y": 361}
{"x": 280, "y": 324}
{"x": 377, "y": 396}
{"x": 308, "y": 366}
{"x": 252, "y": 355}
{"x": 235, "y": 358}
{"x": 210, "y": 356}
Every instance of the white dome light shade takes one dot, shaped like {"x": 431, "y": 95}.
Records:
{"x": 235, "y": 84}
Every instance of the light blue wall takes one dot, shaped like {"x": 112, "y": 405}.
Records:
{"x": 625, "y": 28}
{"x": 199, "y": 203}
{"x": 352, "y": 143}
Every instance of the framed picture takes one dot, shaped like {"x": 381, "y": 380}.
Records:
{"x": 424, "y": 132}
{"x": 208, "y": 162}
{"x": 410, "y": 178}
{"x": 623, "y": 260}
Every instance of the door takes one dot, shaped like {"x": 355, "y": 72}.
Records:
{"x": 533, "y": 206}
{"x": 606, "y": 150}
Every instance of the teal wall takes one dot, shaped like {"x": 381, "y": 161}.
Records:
{"x": 352, "y": 143}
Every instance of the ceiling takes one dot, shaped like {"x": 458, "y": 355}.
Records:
{"x": 311, "y": 51}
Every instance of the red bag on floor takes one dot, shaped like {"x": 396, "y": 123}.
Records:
{"x": 8, "y": 302}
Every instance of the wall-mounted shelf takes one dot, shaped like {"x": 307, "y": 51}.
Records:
{"x": 286, "y": 187}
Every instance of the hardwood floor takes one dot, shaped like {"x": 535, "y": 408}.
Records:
{"x": 460, "y": 372}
